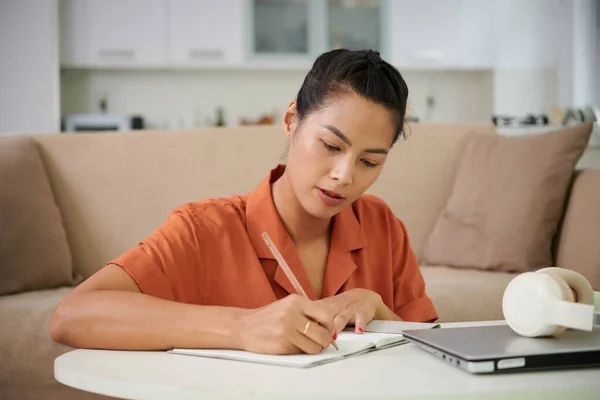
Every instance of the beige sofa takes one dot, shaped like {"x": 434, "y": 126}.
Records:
{"x": 112, "y": 189}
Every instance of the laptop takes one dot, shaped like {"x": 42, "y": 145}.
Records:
{"x": 497, "y": 348}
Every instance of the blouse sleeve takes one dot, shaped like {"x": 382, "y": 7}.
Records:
{"x": 411, "y": 302}
{"x": 168, "y": 263}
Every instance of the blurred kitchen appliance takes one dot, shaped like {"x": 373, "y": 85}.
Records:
{"x": 511, "y": 121}
{"x": 510, "y": 125}
{"x": 74, "y": 123}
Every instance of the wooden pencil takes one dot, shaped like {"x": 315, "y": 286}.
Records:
{"x": 287, "y": 270}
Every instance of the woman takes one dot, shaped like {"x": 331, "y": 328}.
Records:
{"x": 206, "y": 279}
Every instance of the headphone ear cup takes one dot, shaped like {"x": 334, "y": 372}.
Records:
{"x": 524, "y": 303}
{"x": 566, "y": 294}
{"x": 577, "y": 282}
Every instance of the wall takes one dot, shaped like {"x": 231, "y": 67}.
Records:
{"x": 185, "y": 98}
{"x": 578, "y": 41}
{"x": 526, "y": 55}
{"x": 29, "y": 97}
{"x": 590, "y": 158}
{"x": 585, "y": 71}
{"x": 597, "y": 53}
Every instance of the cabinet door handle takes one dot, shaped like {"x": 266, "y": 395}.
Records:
{"x": 129, "y": 53}
{"x": 206, "y": 53}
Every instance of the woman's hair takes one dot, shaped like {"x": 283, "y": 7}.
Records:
{"x": 363, "y": 72}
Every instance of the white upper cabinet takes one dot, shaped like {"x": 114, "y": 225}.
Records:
{"x": 425, "y": 32}
{"x": 206, "y": 31}
{"x": 73, "y": 32}
{"x": 127, "y": 31}
{"x": 442, "y": 33}
{"x": 114, "y": 32}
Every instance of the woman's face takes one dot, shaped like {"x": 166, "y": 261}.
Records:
{"x": 337, "y": 153}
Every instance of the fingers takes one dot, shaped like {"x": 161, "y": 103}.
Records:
{"x": 311, "y": 324}
{"x": 321, "y": 314}
{"x": 340, "y": 321}
{"x": 305, "y": 344}
{"x": 360, "y": 321}
{"x": 311, "y": 337}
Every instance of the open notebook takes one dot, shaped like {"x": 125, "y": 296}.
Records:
{"x": 349, "y": 343}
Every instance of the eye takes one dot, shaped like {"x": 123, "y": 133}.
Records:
{"x": 369, "y": 163}
{"x": 330, "y": 147}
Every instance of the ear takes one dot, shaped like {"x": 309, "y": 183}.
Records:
{"x": 290, "y": 120}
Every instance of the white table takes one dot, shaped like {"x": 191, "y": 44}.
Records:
{"x": 404, "y": 371}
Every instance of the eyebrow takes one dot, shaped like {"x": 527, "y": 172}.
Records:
{"x": 344, "y": 138}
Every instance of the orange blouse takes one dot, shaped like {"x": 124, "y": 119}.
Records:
{"x": 211, "y": 253}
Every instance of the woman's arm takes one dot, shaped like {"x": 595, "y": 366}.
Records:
{"x": 108, "y": 311}
{"x": 146, "y": 300}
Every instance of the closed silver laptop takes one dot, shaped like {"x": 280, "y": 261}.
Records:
{"x": 497, "y": 348}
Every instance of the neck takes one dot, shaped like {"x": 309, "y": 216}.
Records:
{"x": 301, "y": 226}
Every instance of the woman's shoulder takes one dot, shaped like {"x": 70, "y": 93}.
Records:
{"x": 373, "y": 206}
{"x": 375, "y": 213}
{"x": 214, "y": 212}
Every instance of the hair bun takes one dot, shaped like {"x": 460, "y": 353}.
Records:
{"x": 342, "y": 71}
{"x": 374, "y": 58}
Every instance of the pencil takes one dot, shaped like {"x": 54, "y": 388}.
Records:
{"x": 288, "y": 272}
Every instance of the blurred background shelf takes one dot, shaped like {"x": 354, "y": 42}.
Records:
{"x": 176, "y": 62}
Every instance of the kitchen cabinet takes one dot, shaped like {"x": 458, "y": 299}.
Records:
{"x": 302, "y": 29}
{"x": 206, "y": 32}
{"x": 356, "y": 24}
{"x": 108, "y": 33}
{"x": 282, "y": 29}
{"x": 442, "y": 33}
{"x": 73, "y": 45}
{"x": 274, "y": 34}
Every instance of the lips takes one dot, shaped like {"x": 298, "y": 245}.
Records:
{"x": 331, "y": 193}
{"x": 330, "y": 197}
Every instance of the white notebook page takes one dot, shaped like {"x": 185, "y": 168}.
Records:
{"x": 348, "y": 343}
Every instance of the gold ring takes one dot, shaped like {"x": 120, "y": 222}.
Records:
{"x": 306, "y": 326}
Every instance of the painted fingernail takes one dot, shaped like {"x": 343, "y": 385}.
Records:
{"x": 334, "y": 335}
{"x": 361, "y": 330}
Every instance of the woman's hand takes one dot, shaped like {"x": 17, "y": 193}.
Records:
{"x": 358, "y": 306}
{"x": 291, "y": 325}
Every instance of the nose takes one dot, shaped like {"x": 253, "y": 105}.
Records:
{"x": 343, "y": 172}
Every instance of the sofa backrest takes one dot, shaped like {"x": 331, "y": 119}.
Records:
{"x": 113, "y": 189}
{"x": 419, "y": 174}
{"x": 578, "y": 247}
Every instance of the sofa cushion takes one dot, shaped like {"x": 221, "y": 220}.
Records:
{"x": 466, "y": 294}
{"x": 507, "y": 201}
{"x": 419, "y": 173}
{"x": 579, "y": 240}
{"x": 34, "y": 253}
{"x": 27, "y": 351}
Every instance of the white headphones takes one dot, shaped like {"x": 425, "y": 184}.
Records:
{"x": 548, "y": 301}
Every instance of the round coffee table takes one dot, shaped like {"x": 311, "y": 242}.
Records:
{"x": 401, "y": 372}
